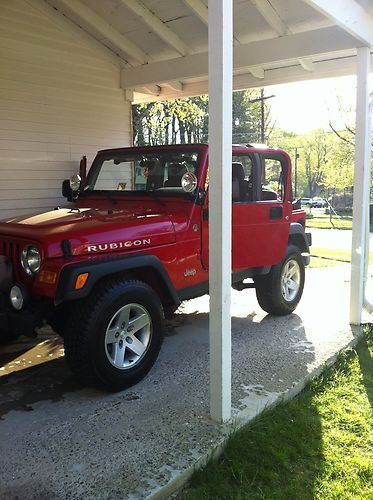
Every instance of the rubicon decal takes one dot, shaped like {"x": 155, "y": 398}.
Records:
{"x": 117, "y": 245}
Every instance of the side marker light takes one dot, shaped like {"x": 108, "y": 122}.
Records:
{"x": 81, "y": 280}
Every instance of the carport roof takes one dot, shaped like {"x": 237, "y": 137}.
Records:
{"x": 162, "y": 45}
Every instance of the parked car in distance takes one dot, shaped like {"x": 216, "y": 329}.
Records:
{"x": 305, "y": 201}
{"x": 318, "y": 202}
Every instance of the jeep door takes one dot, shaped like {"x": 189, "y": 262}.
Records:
{"x": 261, "y": 210}
{"x": 261, "y": 221}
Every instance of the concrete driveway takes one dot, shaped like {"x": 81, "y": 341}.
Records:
{"x": 61, "y": 440}
{"x": 334, "y": 238}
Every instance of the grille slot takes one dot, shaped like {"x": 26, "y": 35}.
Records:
{"x": 11, "y": 250}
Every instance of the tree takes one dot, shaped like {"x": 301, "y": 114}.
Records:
{"x": 316, "y": 150}
{"x": 186, "y": 120}
{"x": 340, "y": 172}
{"x": 319, "y": 162}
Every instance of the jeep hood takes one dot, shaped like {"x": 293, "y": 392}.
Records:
{"x": 91, "y": 231}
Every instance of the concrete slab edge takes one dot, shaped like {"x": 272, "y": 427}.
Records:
{"x": 243, "y": 417}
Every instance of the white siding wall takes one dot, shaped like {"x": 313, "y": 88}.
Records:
{"x": 59, "y": 100}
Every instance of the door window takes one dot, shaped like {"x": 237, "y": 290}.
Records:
{"x": 242, "y": 179}
{"x": 272, "y": 180}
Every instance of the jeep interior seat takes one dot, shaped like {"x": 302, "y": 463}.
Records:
{"x": 155, "y": 178}
{"x": 268, "y": 194}
{"x": 175, "y": 173}
{"x": 240, "y": 186}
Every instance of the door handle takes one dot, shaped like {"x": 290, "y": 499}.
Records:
{"x": 275, "y": 213}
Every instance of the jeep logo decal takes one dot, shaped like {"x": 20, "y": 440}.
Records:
{"x": 117, "y": 245}
{"x": 190, "y": 272}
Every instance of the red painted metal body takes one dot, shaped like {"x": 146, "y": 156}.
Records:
{"x": 172, "y": 228}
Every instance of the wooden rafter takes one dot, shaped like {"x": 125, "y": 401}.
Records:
{"x": 349, "y": 15}
{"x": 157, "y": 26}
{"x": 254, "y": 54}
{"x": 107, "y": 32}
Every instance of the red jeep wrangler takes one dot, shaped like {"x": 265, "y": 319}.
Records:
{"x": 134, "y": 244}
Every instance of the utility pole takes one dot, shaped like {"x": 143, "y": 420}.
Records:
{"x": 296, "y": 172}
{"x": 262, "y": 119}
{"x": 262, "y": 98}
{"x": 296, "y": 156}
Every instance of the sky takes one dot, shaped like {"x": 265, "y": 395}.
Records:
{"x": 304, "y": 106}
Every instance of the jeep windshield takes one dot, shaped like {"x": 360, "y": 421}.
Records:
{"x": 168, "y": 172}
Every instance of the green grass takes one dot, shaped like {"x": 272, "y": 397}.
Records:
{"x": 318, "y": 262}
{"x": 317, "y": 446}
{"x": 323, "y": 222}
{"x": 336, "y": 254}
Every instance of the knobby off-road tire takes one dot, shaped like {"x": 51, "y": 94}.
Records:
{"x": 113, "y": 337}
{"x": 279, "y": 292}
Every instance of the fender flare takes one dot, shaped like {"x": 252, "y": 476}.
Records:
{"x": 298, "y": 229}
{"x": 108, "y": 267}
{"x": 302, "y": 239}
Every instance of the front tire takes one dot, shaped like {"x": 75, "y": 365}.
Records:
{"x": 113, "y": 337}
{"x": 280, "y": 291}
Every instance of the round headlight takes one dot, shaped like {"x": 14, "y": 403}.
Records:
{"x": 75, "y": 182}
{"x": 31, "y": 260}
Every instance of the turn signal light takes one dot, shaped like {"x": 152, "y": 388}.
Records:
{"x": 48, "y": 277}
{"x": 81, "y": 281}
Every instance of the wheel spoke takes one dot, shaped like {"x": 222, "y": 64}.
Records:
{"x": 136, "y": 346}
{"x": 118, "y": 354}
{"x": 139, "y": 322}
{"x": 293, "y": 285}
{"x": 124, "y": 316}
{"x": 110, "y": 335}
{"x": 292, "y": 272}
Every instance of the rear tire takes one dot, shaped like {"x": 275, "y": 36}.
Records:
{"x": 280, "y": 291}
{"x": 113, "y": 337}
{"x": 169, "y": 311}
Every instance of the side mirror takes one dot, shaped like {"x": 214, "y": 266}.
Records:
{"x": 70, "y": 187}
{"x": 67, "y": 192}
{"x": 297, "y": 204}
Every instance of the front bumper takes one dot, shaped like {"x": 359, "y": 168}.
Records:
{"x": 33, "y": 314}
{"x": 4, "y": 319}
{"x": 306, "y": 256}
{"x": 25, "y": 321}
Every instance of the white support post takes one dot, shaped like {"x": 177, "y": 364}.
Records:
{"x": 361, "y": 188}
{"x": 220, "y": 41}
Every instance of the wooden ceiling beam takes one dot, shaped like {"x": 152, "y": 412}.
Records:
{"x": 348, "y": 15}
{"x": 264, "y": 53}
{"x": 199, "y": 9}
{"x": 106, "y": 30}
{"x": 157, "y": 26}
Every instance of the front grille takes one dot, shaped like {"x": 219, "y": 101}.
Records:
{"x": 11, "y": 249}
